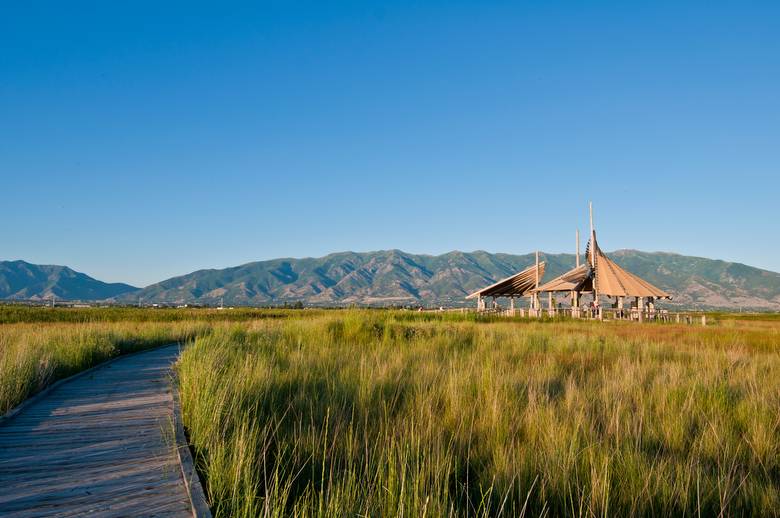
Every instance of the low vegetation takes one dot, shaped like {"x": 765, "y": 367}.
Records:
{"x": 14, "y": 314}
{"x": 399, "y": 413}
{"x": 388, "y": 414}
{"x": 32, "y": 356}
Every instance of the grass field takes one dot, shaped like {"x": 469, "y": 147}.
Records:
{"x": 32, "y": 356}
{"x": 387, "y": 414}
{"x": 379, "y": 413}
{"x": 15, "y": 314}
{"x": 40, "y": 345}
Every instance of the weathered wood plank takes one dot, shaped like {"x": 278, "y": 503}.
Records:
{"x": 101, "y": 444}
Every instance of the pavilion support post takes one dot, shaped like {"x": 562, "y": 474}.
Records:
{"x": 704, "y": 320}
{"x": 511, "y": 306}
{"x": 537, "y": 269}
{"x": 575, "y": 304}
{"x": 677, "y": 318}
{"x": 537, "y": 304}
{"x": 550, "y": 308}
{"x": 640, "y": 308}
{"x": 621, "y": 305}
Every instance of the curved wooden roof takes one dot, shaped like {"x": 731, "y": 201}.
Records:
{"x": 614, "y": 281}
{"x": 576, "y": 279}
{"x": 516, "y": 285}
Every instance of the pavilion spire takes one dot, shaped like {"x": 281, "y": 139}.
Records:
{"x": 593, "y": 251}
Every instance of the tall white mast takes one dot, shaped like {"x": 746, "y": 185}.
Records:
{"x": 593, "y": 251}
{"x": 577, "y": 237}
{"x": 592, "y": 236}
{"x": 535, "y": 299}
{"x": 537, "y": 269}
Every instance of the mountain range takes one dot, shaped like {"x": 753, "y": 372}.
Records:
{"x": 21, "y": 280}
{"x": 393, "y": 277}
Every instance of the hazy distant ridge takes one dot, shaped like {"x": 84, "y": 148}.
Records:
{"x": 24, "y": 281}
{"x": 396, "y": 277}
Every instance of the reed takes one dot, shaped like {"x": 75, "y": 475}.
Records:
{"x": 17, "y": 313}
{"x": 34, "y": 355}
{"x": 390, "y": 414}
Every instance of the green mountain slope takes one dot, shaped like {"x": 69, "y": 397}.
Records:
{"x": 395, "y": 277}
{"x": 20, "y": 280}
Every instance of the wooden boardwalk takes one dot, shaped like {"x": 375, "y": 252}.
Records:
{"x": 101, "y": 444}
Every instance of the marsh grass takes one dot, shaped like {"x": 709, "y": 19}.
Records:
{"x": 17, "y": 313}
{"x": 384, "y": 414}
{"x": 32, "y": 356}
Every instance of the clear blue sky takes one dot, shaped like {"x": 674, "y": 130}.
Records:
{"x": 141, "y": 140}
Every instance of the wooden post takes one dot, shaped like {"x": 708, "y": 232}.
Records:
{"x": 704, "y": 320}
{"x": 590, "y": 208}
{"x": 512, "y": 306}
{"x": 537, "y": 306}
{"x": 640, "y": 307}
{"x": 535, "y": 297}
{"x": 537, "y": 269}
{"x": 677, "y": 317}
{"x": 577, "y": 237}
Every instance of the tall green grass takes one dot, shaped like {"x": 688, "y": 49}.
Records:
{"x": 32, "y": 356}
{"x": 380, "y": 414}
{"x": 17, "y": 313}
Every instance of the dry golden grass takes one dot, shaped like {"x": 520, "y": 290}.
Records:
{"x": 34, "y": 355}
{"x": 390, "y": 414}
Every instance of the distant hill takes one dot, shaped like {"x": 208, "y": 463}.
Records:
{"x": 395, "y": 277}
{"x": 24, "y": 281}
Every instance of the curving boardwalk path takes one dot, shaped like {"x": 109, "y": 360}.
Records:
{"x": 101, "y": 444}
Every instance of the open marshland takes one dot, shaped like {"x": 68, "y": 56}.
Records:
{"x": 389, "y": 414}
{"x": 382, "y": 413}
{"x": 35, "y": 355}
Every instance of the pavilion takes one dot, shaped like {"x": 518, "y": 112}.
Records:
{"x": 599, "y": 276}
